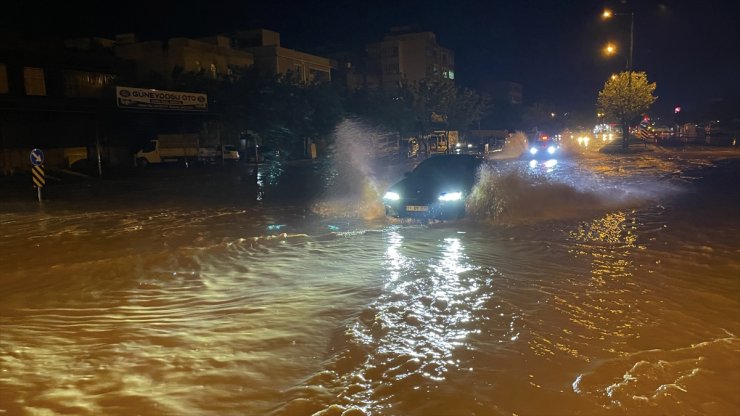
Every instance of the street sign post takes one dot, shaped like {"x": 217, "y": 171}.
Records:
{"x": 37, "y": 157}
{"x": 37, "y": 170}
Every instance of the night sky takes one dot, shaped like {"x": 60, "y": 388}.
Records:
{"x": 691, "y": 49}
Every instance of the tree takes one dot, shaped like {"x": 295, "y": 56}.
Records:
{"x": 392, "y": 109}
{"x": 625, "y": 97}
{"x": 540, "y": 115}
{"x": 469, "y": 107}
{"x": 421, "y": 107}
{"x": 280, "y": 111}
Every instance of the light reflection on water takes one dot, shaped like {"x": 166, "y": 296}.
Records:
{"x": 627, "y": 307}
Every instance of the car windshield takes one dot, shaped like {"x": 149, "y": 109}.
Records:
{"x": 447, "y": 166}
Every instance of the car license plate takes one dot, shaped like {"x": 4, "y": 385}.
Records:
{"x": 417, "y": 208}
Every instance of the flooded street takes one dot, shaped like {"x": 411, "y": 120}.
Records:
{"x": 600, "y": 285}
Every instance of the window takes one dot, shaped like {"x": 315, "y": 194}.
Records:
{"x": 86, "y": 84}
{"x": 33, "y": 80}
{"x": 317, "y": 75}
{"x": 298, "y": 68}
{"x": 390, "y": 52}
{"x": 391, "y": 68}
{"x": 3, "y": 79}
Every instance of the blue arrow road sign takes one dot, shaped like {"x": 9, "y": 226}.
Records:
{"x": 37, "y": 157}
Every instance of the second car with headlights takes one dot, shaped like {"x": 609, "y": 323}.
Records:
{"x": 435, "y": 189}
{"x": 543, "y": 146}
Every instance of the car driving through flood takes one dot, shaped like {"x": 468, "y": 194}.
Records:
{"x": 543, "y": 146}
{"x": 435, "y": 189}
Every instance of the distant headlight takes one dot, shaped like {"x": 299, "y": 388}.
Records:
{"x": 451, "y": 196}
{"x": 392, "y": 196}
{"x": 551, "y": 149}
{"x": 533, "y": 150}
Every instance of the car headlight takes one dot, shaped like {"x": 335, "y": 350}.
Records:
{"x": 551, "y": 149}
{"x": 451, "y": 196}
{"x": 533, "y": 150}
{"x": 391, "y": 196}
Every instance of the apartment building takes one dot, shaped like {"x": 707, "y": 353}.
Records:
{"x": 51, "y": 96}
{"x": 274, "y": 59}
{"x": 212, "y": 56}
{"x": 405, "y": 55}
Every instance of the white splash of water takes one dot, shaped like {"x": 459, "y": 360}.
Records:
{"x": 514, "y": 196}
{"x": 360, "y": 181}
{"x": 514, "y": 147}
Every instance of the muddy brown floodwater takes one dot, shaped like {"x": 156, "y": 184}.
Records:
{"x": 599, "y": 285}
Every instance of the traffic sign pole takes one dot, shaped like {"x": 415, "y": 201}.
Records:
{"x": 37, "y": 170}
{"x": 39, "y": 179}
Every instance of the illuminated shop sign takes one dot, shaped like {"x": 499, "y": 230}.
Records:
{"x": 141, "y": 98}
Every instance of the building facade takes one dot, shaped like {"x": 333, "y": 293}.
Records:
{"x": 60, "y": 96}
{"x": 406, "y": 56}
{"x": 51, "y": 96}
{"x": 213, "y": 56}
{"x": 274, "y": 59}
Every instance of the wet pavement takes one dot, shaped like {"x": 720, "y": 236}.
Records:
{"x": 599, "y": 284}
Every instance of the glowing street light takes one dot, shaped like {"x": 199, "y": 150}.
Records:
{"x": 611, "y": 49}
{"x": 608, "y": 14}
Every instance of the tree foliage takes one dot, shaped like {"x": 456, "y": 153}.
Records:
{"x": 469, "y": 107}
{"x": 391, "y": 109}
{"x": 281, "y": 112}
{"x": 421, "y": 107}
{"x": 440, "y": 103}
{"x": 625, "y": 97}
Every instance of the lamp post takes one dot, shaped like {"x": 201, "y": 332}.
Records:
{"x": 608, "y": 14}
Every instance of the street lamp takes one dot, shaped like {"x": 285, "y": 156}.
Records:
{"x": 608, "y": 14}
{"x": 611, "y": 49}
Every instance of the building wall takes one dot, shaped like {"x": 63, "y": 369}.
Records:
{"x": 255, "y": 37}
{"x": 62, "y": 96}
{"x": 274, "y": 59}
{"x": 54, "y": 96}
{"x": 213, "y": 56}
{"x": 504, "y": 92}
{"x": 409, "y": 56}
{"x": 309, "y": 68}
{"x": 148, "y": 57}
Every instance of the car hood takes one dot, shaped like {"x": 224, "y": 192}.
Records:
{"x": 424, "y": 190}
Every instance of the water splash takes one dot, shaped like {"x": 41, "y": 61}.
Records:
{"x": 515, "y": 196}
{"x": 513, "y": 148}
{"x": 358, "y": 172}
